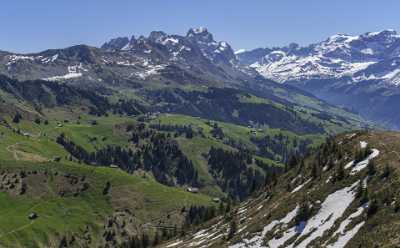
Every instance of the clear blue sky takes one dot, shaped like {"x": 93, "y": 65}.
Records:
{"x": 34, "y": 25}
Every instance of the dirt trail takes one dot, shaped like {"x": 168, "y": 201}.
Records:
{"x": 26, "y": 156}
{"x": 12, "y": 149}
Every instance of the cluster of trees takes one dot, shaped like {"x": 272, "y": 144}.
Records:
{"x": 50, "y": 94}
{"x": 129, "y": 107}
{"x": 160, "y": 155}
{"x": 232, "y": 173}
{"x": 217, "y": 131}
{"x": 179, "y": 130}
{"x": 163, "y": 157}
{"x": 199, "y": 214}
{"x": 220, "y": 103}
{"x": 281, "y": 147}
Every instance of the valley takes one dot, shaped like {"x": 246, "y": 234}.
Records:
{"x": 177, "y": 141}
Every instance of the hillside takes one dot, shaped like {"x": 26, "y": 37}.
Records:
{"x": 345, "y": 194}
{"x": 76, "y": 204}
{"x": 142, "y": 140}
{"x": 61, "y": 163}
{"x": 66, "y": 151}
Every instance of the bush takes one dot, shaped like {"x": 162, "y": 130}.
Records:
{"x": 372, "y": 208}
{"x": 17, "y": 118}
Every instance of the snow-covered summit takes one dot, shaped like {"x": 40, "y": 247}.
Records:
{"x": 338, "y": 56}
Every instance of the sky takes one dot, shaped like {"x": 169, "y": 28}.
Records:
{"x": 33, "y": 26}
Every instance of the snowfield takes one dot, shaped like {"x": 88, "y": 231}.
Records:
{"x": 331, "y": 209}
{"x": 74, "y": 71}
{"x": 301, "y": 236}
{"x": 257, "y": 240}
{"x": 344, "y": 237}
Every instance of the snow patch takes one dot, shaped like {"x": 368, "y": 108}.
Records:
{"x": 367, "y": 51}
{"x": 73, "y": 72}
{"x": 151, "y": 70}
{"x": 363, "y": 164}
{"x": 257, "y": 240}
{"x": 300, "y": 186}
{"x": 240, "y": 51}
{"x": 363, "y": 144}
{"x": 15, "y": 58}
{"x": 331, "y": 209}
{"x": 175, "y": 244}
{"x": 343, "y": 236}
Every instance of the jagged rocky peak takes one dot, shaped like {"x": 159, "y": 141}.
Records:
{"x": 157, "y": 36}
{"x": 200, "y": 34}
{"x": 116, "y": 43}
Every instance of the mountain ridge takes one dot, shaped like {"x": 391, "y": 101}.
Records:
{"x": 359, "y": 72}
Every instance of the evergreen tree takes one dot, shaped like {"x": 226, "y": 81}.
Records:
{"x": 145, "y": 240}
{"x": 17, "y": 118}
{"x": 303, "y": 213}
{"x": 386, "y": 172}
{"x": 365, "y": 196}
{"x": 156, "y": 239}
{"x": 371, "y": 168}
{"x": 360, "y": 190}
{"x": 300, "y": 167}
{"x": 372, "y": 208}
{"x": 339, "y": 173}
{"x": 232, "y": 229}
{"x": 314, "y": 171}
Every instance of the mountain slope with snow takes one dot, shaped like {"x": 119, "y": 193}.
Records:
{"x": 340, "y": 55}
{"x": 356, "y": 72}
{"x": 340, "y": 205}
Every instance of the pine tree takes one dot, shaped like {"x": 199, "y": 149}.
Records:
{"x": 303, "y": 213}
{"x": 360, "y": 190}
{"x": 371, "y": 168}
{"x": 232, "y": 229}
{"x": 17, "y": 118}
{"x": 339, "y": 173}
{"x": 300, "y": 167}
{"x": 221, "y": 208}
{"x": 145, "y": 240}
{"x": 372, "y": 208}
{"x": 365, "y": 196}
{"x": 314, "y": 171}
{"x": 386, "y": 171}
{"x": 156, "y": 239}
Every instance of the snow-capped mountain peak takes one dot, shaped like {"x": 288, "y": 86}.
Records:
{"x": 337, "y": 56}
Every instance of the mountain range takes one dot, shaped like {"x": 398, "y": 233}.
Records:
{"x": 359, "y": 72}
{"x": 157, "y": 71}
{"x": 178, "y": 141}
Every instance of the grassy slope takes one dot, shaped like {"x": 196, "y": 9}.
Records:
{"x": 61, "y": 214}
{"x": 72, "y": 214}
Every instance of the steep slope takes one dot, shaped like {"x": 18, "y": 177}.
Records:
{"x": 344, "y": 70}
{"x": 345, "y": 194}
